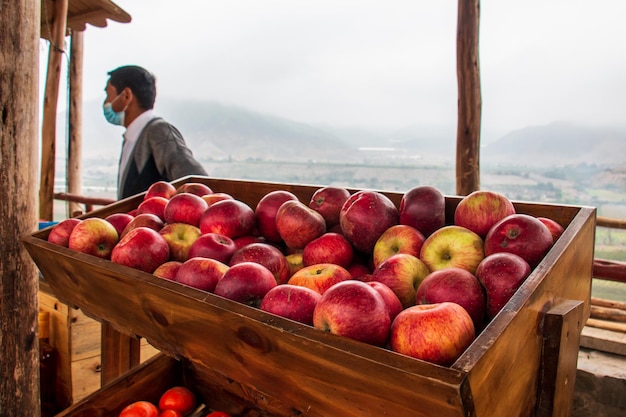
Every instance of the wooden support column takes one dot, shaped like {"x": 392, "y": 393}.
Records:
{"x": 51, "y": 97}
{"x": 469, "y": 101}
{"x": 120, "y": 353}
{"x": 74, "y": 149}
{"x": 19, "y": 92}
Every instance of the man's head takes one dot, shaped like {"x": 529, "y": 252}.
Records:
{"x": 140, "y": 81}
{"x": 130, "y": 90}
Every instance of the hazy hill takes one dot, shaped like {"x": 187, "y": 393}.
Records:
{"x": 559, "y": 143}
{"x": 216, "y": 131}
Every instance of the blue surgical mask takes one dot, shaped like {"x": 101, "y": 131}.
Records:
{"x": 113, "y": 117}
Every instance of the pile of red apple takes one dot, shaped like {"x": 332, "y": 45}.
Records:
{"x": 351, "y": 264}
{"x": 177, "y": 401}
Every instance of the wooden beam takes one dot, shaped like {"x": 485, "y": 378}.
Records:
{"x": 19, "y": 92}
{"x": 74, "y": 149}
{"x": 120, "y": 353}
{"x": 51, "y": 97}
{"x": 469, "y": 100}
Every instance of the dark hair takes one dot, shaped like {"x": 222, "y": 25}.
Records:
{"x": 141, "y": 82}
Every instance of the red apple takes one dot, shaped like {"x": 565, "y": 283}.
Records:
{"x": 94, "y": 236}
{"x": 232, "y": 218}
{"x": 246, "y": 283}
{"x": 153, "y": 205}
{"x": 458, "y": 286}
{"x": 151, "y": 221}
{"x": 60, "y": 232}
{"x": 215, "y": 197}
{"x": 119, "y": 221}
{"x": 167, "y": 270}
{"x": 365, "y": 216}
{"x": 214, "y": 246}
{"x": 501, "y": 274}
{"x": 179, "y": 399}
{"x": 355, "y": 310}
{"x": 142, "y": 248}
{"x": 330, "y": 248}
{"x": 521, "y": 234}
{"x": 328, "y": 202}
{"x": 394, "y": 306}
{"x": 452, "y": 246}
{"x": 180, "y": 237}
{"x": 403, "y": 273}
{"x": 424, "y": 208}
{"x": 267, "y": 255}
{"x": 185, "y": 208}
{"x": 139, "y": 408}
{"x": 358, "y": 270}
{"x": 319, "y": 277}
{"x": 266, "y": 210}
{"x": 480, "y": 210}
{"x": 160, "y": 189}
{"x": 291, "y": 301}
{"x": 555, "y": 228}
{"x": 201, "y": 273}
{"x": 399, "y": 238}
{"x": 437, "y": 333}
{"x": 196, "y": 188}
{"x": 242, "y": 241}
{"x": 297, "y": 224}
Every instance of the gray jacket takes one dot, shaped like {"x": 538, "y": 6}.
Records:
{"x": 160, "y": 154}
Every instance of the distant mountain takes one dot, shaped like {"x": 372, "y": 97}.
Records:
{"x": 559, "y": 143}
{"x": 218, "y": 131}
{"x": 215, "y": 131}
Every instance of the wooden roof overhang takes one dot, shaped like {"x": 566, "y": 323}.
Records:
{"x": 80, "y": 13}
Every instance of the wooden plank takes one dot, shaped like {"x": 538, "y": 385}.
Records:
{"x": 562, "y": 327}
{"x": 604, "y": 340}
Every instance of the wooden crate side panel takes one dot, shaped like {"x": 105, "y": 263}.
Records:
{"x": 509, "y": 368}
{"x": 322, "y": 373}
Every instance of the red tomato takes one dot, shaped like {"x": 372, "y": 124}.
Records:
{"x": 140, "y": 409}
{"x": 218, "y": 414}
{"x": 170, "y": 413}
{"x": 178, "y": 399}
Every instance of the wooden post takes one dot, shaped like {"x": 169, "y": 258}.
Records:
{"x": 19, "y": 92}
{"x": 120, "y": 353}
{"x": 48, "y": 129}
{"x": 469, "y": 101}
{"x": 74, "y": 149}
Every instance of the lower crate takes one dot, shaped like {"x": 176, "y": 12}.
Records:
{"x": 152, "y": 378}
{"x": 76, "y": 338}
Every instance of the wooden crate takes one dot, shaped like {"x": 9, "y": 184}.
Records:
{"x": 76, "y": 338}
{"x": 523, "y": 363}
{"x": 151, "y": 379}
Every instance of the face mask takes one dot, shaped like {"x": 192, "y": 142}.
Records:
{"x": 113, "y": 117}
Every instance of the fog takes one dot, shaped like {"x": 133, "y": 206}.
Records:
{"x": 374, "y": 64}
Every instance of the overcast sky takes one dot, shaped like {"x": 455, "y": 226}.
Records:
{"x": 388, "y": 63}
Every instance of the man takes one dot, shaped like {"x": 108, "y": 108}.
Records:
{"x": 153, "y": 149}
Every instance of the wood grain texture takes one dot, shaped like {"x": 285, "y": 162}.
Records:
{"x": 262, "y": 356}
